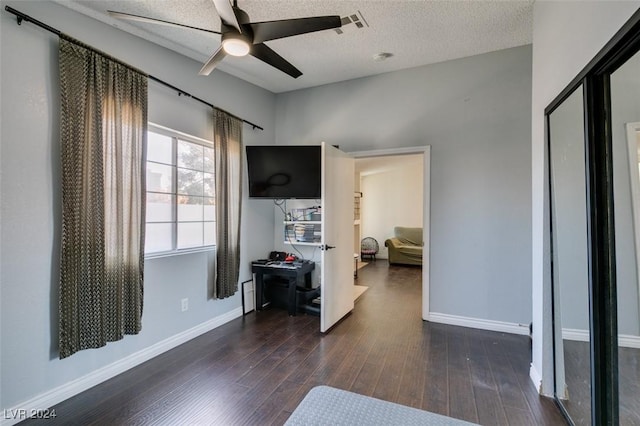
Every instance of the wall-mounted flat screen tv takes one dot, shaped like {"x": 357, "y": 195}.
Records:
{"x": 284, "y": 171}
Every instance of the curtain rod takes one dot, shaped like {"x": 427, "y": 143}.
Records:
{"x": 23, "y": 17}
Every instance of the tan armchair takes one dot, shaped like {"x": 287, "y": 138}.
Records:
{"x": 406, "y": 246}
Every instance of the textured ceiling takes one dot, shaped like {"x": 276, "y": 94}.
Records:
{"x": 415, "y": 32}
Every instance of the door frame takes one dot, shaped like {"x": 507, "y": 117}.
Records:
{"x": 426, "y": 211}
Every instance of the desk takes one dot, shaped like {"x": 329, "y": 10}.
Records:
{"x": 294, "y": 272}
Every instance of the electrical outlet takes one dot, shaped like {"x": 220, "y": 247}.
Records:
{"x": 185, "y": 304}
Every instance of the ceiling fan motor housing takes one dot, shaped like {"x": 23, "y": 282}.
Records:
{"x": 230, "y": 32}
{"x": 241, "y": 16}
{"x": 234, "y": 42}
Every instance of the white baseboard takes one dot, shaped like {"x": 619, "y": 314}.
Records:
{"x": 575, "y": 335}
{"x": 483, "y": 324}
{"x": 13, "y": 415}
{"x": 627, "y": 341}
{"x": 535, "y": 377}
{"x": 624, "y": 340}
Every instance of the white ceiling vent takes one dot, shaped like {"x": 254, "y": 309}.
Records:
{"x": 357, "y": 19}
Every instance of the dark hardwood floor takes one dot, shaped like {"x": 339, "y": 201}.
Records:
{"x": 577, "y": 373}
{"x": 256, "y": 369}
{"x": 578, "y": 376}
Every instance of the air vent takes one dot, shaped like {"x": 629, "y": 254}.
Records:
{"x": 356, "y": 19}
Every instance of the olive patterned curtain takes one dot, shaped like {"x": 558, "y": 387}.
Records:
{"x": 103, "y": 137}
{"x": 227, "y": 139}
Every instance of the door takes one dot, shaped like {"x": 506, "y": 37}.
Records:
{"x": 336, "y": 278}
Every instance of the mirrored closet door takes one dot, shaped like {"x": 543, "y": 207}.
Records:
{"x": 593, "y": 143}
{"x": 570, "y": 257}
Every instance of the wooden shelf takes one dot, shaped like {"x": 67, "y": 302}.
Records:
{"x": 302, "y": 243}
{"x": 303, "y": 222}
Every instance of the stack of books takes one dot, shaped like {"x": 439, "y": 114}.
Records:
{"x": 304, "y": 233}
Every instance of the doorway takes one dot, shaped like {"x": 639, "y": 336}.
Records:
{"x": 423, "y": 154}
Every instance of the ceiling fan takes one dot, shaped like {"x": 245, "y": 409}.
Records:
{"x": 241, "y": 37}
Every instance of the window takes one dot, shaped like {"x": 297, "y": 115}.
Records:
{"x": 180, "y": 192}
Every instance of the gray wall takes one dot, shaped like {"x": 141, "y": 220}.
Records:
{"x": 30, "y": 200}
{"x": 475, "y": 114}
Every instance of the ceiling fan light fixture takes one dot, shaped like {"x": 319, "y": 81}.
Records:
{"x": 236, "y": 46}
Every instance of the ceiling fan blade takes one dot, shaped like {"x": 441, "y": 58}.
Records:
{"x": 138, "y": 18}
{"x": 267, "y": 55}
{"x": 271, "y": 30}
{"x": 228, "y": 16}
{"x": 213, "y": 61}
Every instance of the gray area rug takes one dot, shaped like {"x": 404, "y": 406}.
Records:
{"x": 324, "y": 405}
